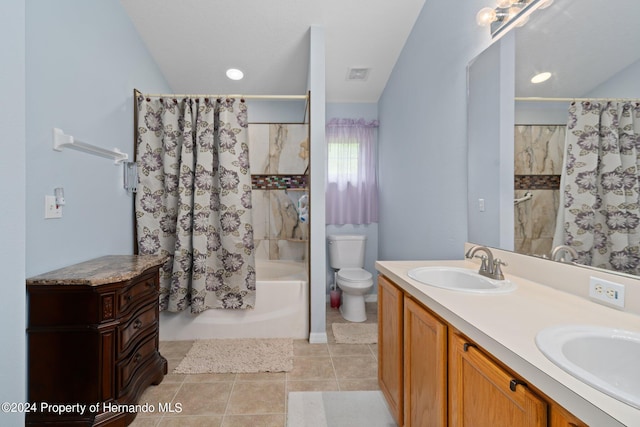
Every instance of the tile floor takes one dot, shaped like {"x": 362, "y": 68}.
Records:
{"x": 239, "y": 400}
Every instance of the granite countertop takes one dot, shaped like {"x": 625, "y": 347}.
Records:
{"x": 99, "y": 271}
{"x": 505, "y": 325}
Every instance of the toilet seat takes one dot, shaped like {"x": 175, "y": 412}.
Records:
{"x": 355, "y": 276}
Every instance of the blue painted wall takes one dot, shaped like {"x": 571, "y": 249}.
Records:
{"x": 12, "y": 222}
{"x": 422, "y": 136}
{"x": 83, "y": 60}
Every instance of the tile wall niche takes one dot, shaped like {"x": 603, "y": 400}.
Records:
{"x": 538, "y": 166}
{"x": 279, "y": 156}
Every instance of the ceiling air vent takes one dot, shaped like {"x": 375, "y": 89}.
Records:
{"x": 360, "y": 74}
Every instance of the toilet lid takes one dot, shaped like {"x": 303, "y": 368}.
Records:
{"x": 354, "y": 275}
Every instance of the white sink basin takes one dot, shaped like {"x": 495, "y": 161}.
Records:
{"x": 460, "y": 279}
{"x": 607, "y": 359}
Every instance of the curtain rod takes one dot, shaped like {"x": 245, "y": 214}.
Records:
{"x": 182, "y": 95}
{"x": 536, "y": 99}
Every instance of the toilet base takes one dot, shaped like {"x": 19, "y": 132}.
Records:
{"x": 353, "y": 308}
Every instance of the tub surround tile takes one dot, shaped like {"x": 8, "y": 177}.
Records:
{"x": 538, "y": 165}
{"x": 259, "y": 148}
{"x": 288, "y": 148}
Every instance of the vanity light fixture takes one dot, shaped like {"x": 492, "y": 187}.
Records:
{"x": 235, "y": 74}
{"x": 541, "y": 77}
{"x": 508, "y": 13}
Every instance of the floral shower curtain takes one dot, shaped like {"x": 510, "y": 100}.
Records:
{"x": 599, "y": 210}
{"x": 193, "y": 202}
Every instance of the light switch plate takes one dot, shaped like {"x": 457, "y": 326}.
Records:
{"x": 51, "y": 210}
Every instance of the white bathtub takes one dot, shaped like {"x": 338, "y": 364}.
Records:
{"x": 281, "y": 310}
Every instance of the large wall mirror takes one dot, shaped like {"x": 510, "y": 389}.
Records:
{"x": 517, "y": 128}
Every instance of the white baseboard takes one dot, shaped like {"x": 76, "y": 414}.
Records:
{"x": 318, "y": 338}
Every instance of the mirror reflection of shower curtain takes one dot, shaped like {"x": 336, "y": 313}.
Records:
{"x": 193, "y": 202}
{"x": 599, "y": 213}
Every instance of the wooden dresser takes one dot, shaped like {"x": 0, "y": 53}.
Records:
{"x": 92, "y": 336}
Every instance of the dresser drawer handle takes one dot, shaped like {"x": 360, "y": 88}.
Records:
{"x": 137, "y": 358}
{"x": 137, "y": 324}
{"x": 128, "y": 297}
{"x": 149, "y": 284}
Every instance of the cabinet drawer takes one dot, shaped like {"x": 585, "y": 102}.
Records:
{"x": 139, "y": 292}
{"x": 127, "y": 367}
{"x": 136, "y": 327}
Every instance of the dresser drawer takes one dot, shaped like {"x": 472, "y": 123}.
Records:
{"x": 137, "y": 326}
{"x": 139, "y": 292}
{"x": 127, "y": 367}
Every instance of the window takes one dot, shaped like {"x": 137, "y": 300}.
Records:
{"x": 352, "y": 187}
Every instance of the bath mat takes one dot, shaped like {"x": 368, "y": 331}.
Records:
{"x": 338, "y": 409}
{"x": 355, "y": 333}
{"x": 238, "y": 356}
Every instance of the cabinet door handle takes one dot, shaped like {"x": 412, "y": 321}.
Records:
{"x": 514, "y": 383}
{"x": 466, "y": 346}
{"x": 137, "y": 358}
{"x": 137, "y": 324}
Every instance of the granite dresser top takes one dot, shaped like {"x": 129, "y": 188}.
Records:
{"x": 99, "y": 271}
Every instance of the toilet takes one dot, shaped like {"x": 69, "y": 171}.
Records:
{"x": 346, "y": 255}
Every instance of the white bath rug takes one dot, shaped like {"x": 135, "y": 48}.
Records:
{"x": 355, "y": 333}
{"x": 238, "y": 356}
{"x": 338, "y": 409}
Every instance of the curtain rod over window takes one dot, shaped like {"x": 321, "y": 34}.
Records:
{"x": 537, "y": 99}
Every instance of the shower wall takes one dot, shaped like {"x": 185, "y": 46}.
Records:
{"x": 538, "y": 157}
{"x": 279, "y": 158}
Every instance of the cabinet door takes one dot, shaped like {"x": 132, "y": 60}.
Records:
{"x": 390, "y": 345}
{"x": 425, "y": 367}
{"x": 560, "y": 417}
{"x": 482, "y": 394}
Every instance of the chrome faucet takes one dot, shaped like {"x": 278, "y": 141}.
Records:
{"x": 490, "y": 267}
{"x": 558, "y": 251}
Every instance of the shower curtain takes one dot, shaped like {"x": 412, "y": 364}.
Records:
{"x": 193, "y": 202}
{"x": 599, "y": 210}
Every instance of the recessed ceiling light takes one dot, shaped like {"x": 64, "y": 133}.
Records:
{"x": 235, "y": 74}
{"x": 542, "y": 77}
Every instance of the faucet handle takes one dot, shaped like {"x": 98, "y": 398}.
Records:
{"x": 484, "y": 266}
{"x": 497, "y": 271}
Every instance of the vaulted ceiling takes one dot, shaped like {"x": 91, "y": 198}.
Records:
{"x": 195, "y": 41}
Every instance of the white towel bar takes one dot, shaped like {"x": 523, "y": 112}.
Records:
{"x": 60, "y": 141}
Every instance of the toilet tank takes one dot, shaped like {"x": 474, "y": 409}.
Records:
{"x": 346, "y": 251}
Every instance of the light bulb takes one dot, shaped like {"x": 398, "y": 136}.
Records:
{"x": 503, "y": 4}
{"x": 485, "y": 16}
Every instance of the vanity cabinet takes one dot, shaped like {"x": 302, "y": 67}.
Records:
{"x": 390, "y": 346}
{"x": 432, "y": 375}
{"x": 483, "y": 394}
{"x": 92, "y": 340}
{"x": 425, "y": 367}
{"x": 560, "y": 417}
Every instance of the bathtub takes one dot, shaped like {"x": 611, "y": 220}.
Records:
{"x": 281, "y": 310}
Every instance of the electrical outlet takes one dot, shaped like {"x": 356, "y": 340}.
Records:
{"x": 51, "y": 209}
{"x": 605, "y": 291}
